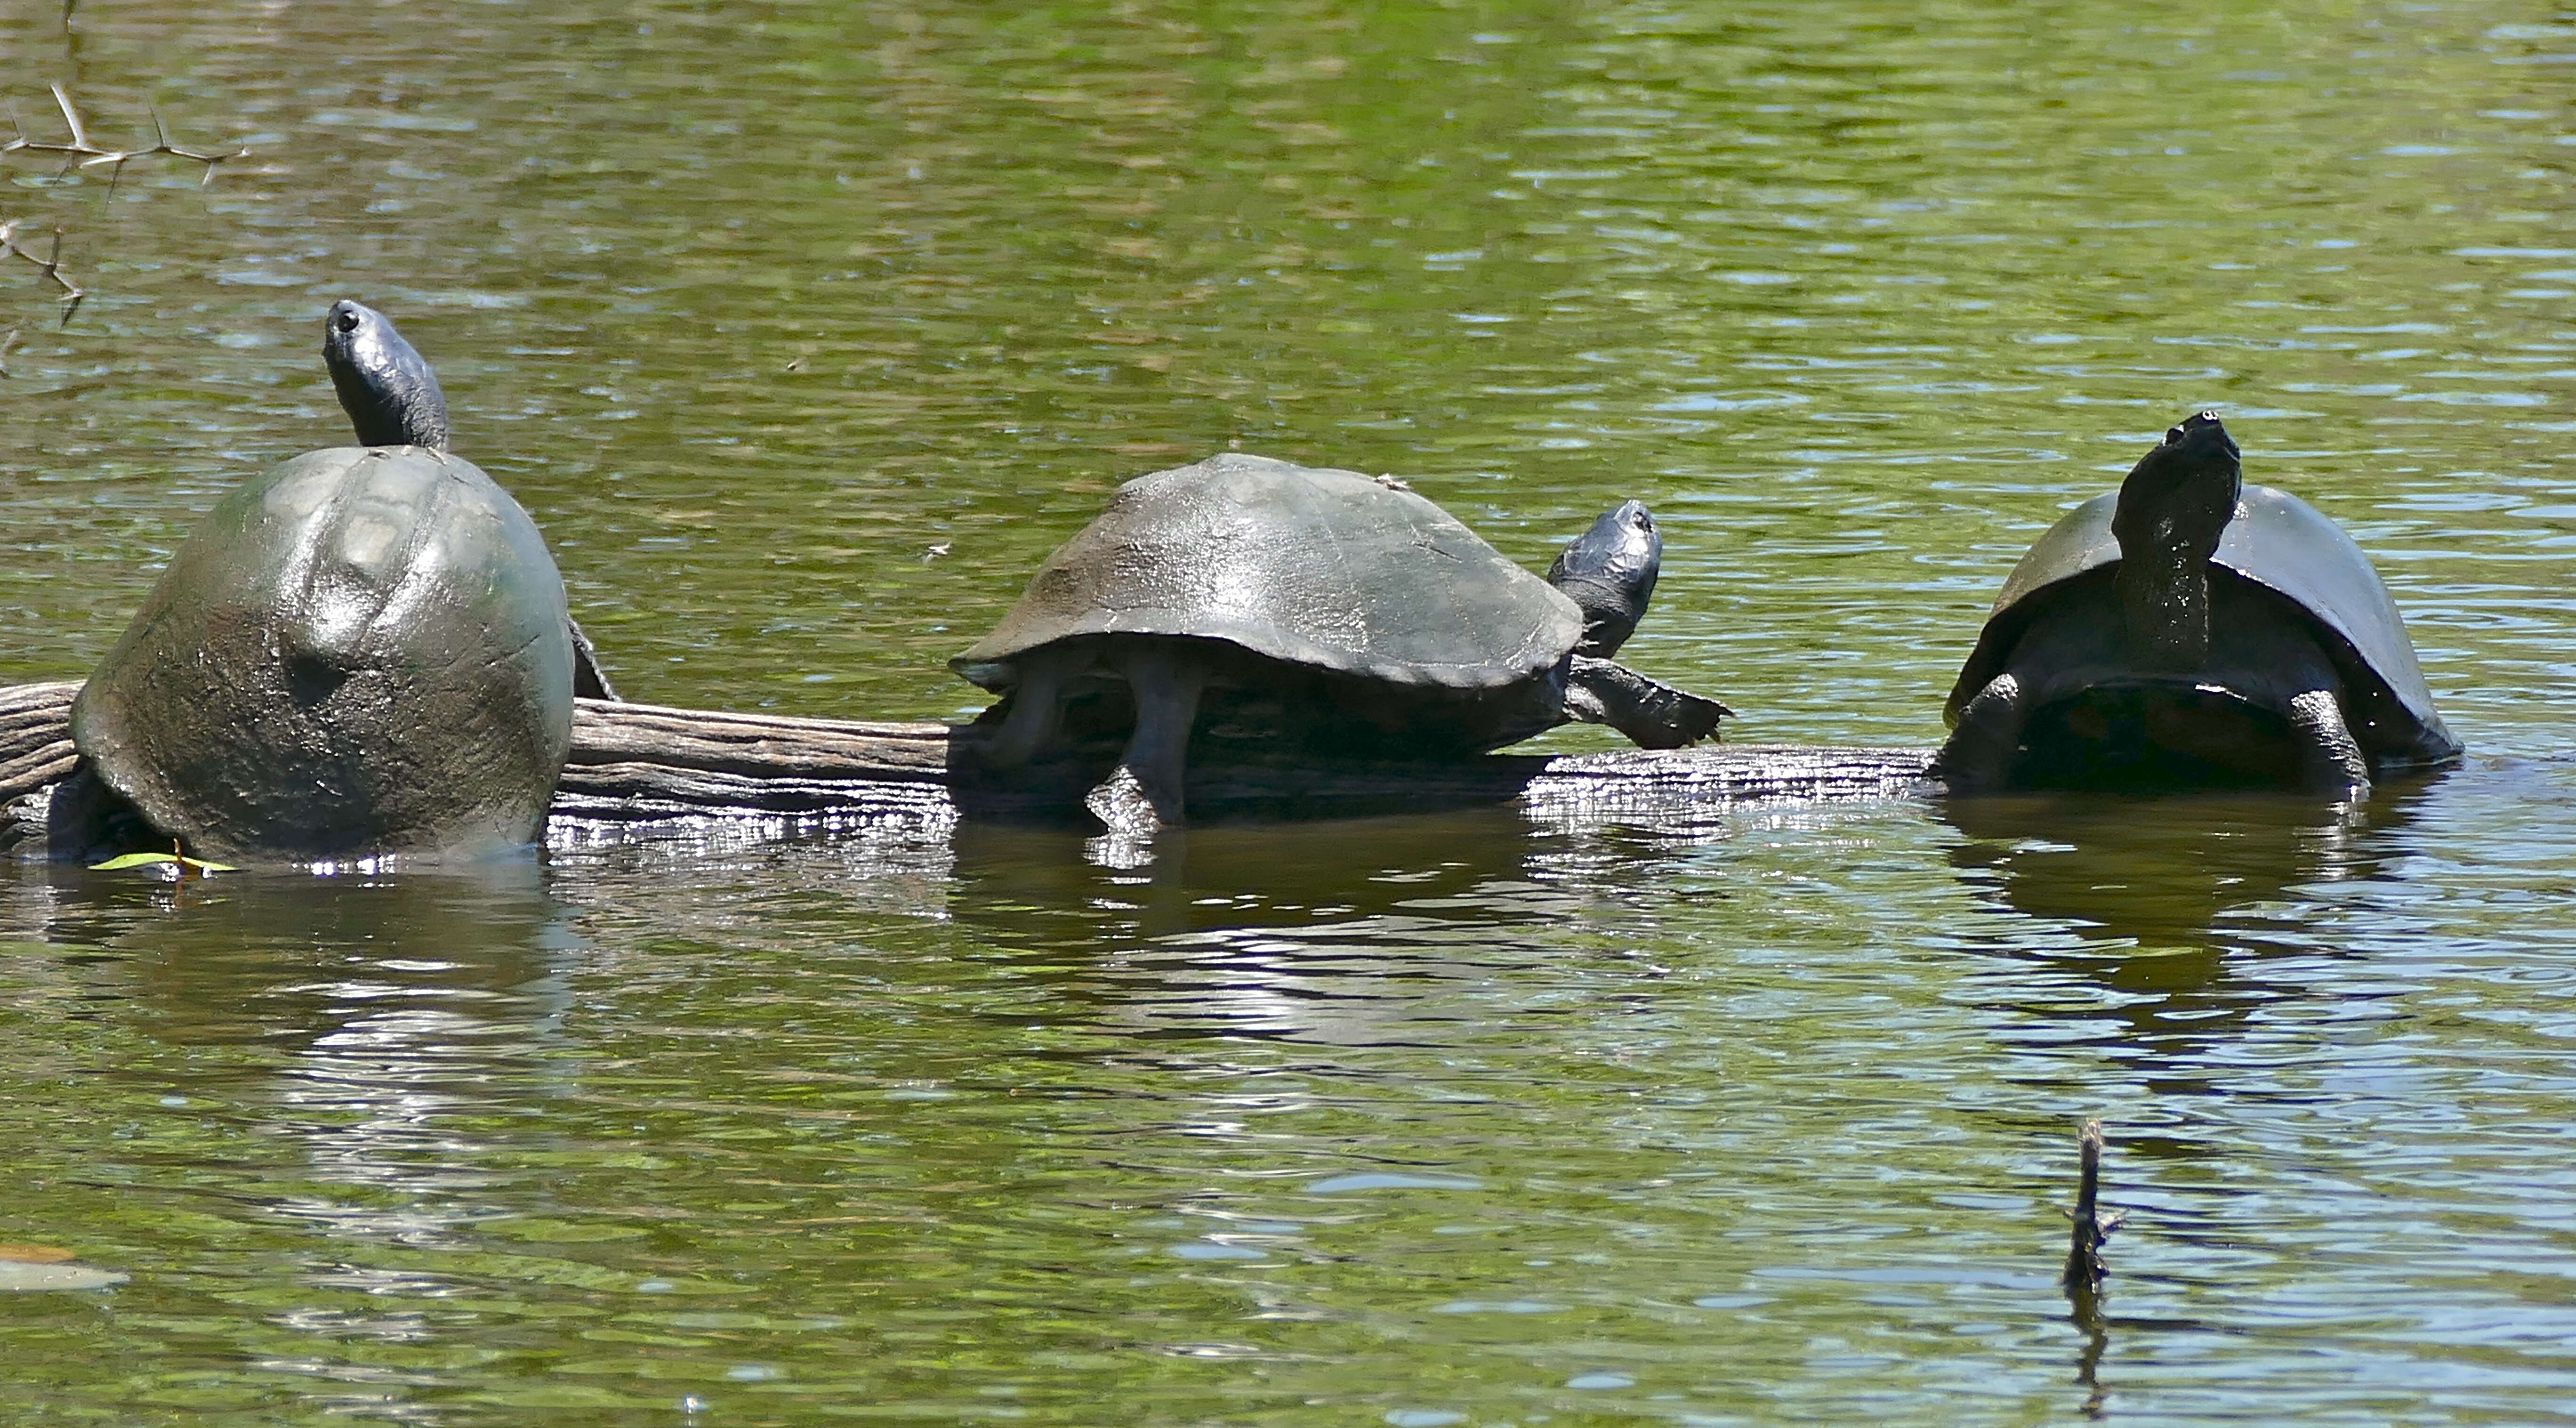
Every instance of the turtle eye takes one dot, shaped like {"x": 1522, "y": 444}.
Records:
{"x": 348, "y": 321}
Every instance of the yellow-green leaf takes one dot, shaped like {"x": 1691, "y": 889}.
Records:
{"x": 134, "y": 860}
{"x": 151, "y": 860}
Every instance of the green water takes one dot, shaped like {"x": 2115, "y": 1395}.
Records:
{"x": 1527, "y": 1116}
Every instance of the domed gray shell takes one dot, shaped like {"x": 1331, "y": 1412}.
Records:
{"x": 2275, "y": 540}
{"x": 360, "y": 652}
{"x": 1309, "y": 565}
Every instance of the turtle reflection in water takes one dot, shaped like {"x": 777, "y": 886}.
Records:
{"x": 2192, "y": 630}
{"x": 362, "y": 652}
{"x": 1318, "y": 612}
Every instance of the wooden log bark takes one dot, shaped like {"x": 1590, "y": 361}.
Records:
{"x": 633, "y": 762}
{"x": 35, "y": 737}
{"x": 637, "y": 760}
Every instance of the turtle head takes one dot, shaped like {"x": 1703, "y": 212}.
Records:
{"x": 2172, "y": 511}
{"x": 388, "y": 391}
{"x": 1610, "y": 571}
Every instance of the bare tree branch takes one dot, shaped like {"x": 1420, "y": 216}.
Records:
{"x": 50, "y": 265}
{"x": 81, "y": 153}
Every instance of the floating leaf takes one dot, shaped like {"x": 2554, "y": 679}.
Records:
{"x": 154, "y": 860}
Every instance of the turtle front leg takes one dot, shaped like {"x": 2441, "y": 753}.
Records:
{"x": 1653, "y": 714}
{"x": 1144, "y": 792}
{"x": 2330, "y": 759}
{"x": 1978, "y": 757}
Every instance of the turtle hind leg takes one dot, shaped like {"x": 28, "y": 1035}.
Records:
{"x": 2330, "y": 759}
{"x": 1979, "y": 755}
{"x": 1037, "y": 704}
{"x": 1651, "y": 713}
{"x": 1143, "y": 792}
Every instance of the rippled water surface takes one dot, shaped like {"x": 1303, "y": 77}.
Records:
{"x": 806, "y": 330}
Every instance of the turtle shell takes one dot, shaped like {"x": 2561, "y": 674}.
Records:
{"x": 2274, "y": 540}
{"x": 362, "y": 652}
{"x": 1311, "y": 566}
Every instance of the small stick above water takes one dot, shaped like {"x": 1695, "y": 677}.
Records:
{"x": 2085, "y": 1270}
{"x": 2084, "y": 1267}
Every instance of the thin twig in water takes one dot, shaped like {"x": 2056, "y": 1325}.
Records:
{"x": 81, "y": 153}
{"x": 51, "y": 265}
{"x": 2084, "y": 1268}
{"x": 2092, "y": 1227}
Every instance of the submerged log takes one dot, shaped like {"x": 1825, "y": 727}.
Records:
{"x": 636, "y": 762}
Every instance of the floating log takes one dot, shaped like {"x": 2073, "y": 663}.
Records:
{"x": 639, "y": 762}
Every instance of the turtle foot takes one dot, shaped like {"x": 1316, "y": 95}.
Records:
{"x": 1124, "y": 807}
{"x": 2331, "y": 762}
{"x": 1978, "y": 756}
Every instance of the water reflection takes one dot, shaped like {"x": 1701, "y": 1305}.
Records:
{"x": 1332, "y": 932}
{"x": 2164, "y": 897}
{"x": 401, "y": 1010}
{"x": 1236, "y": 878}
{"x": 306, "y": 961}
{"x": 896, "y": 860}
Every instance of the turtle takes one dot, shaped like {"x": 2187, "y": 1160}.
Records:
{"x": 2191, "y": 629}
{"x": 1378, "y": 622}
{"x": 362, "y": 652}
